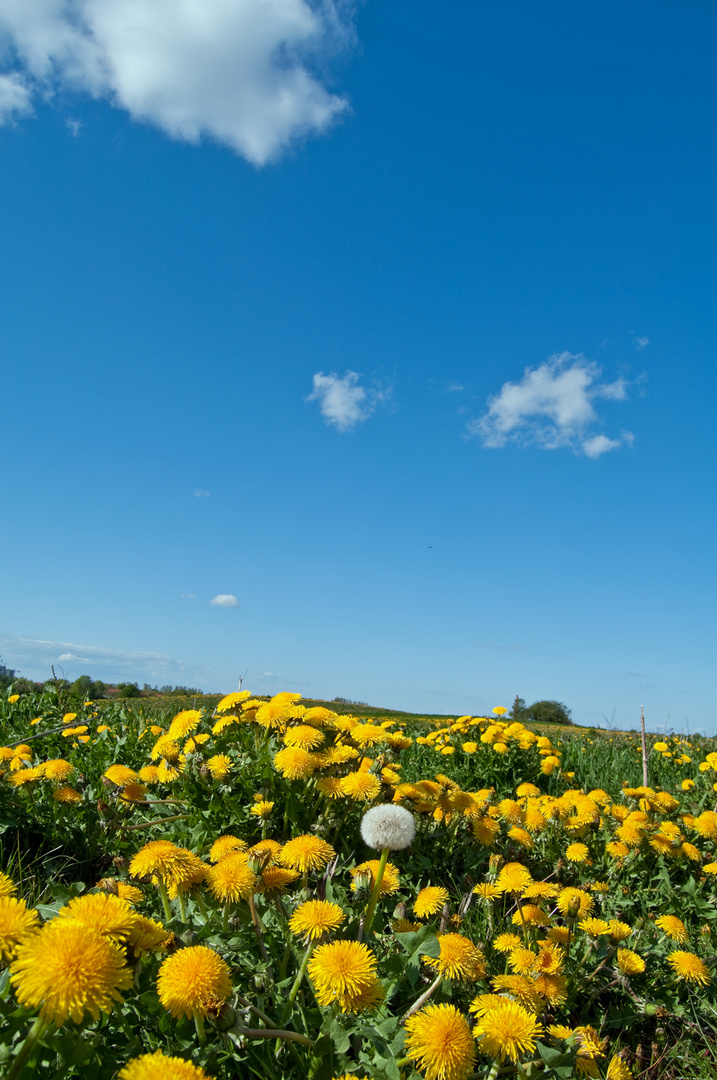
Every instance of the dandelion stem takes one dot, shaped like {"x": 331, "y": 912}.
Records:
{"x": 165, "y": 900}
{"x": 424, "y": 997}
{"x": 182, "y": 905}
{"x": 34, "y": 1035}
{"x": 199, "y": 1025}
{"x": 157, "y": 821}
{"x": 202, "y": 908}
{"x": 225, "y": 919}
{"x": 257, "y": 926}
{"x": 370, "y": 910}
{"x": 236, "y": 1034}
{"x": 297, "y": 981}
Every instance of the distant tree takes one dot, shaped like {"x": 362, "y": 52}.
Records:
{"x": 549, "y": 712}
{"x": 128, "y": 690}
{"x": 518, "y": 711}
{"x": 88, "y": 689}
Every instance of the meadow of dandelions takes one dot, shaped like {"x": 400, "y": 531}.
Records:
{"x": 273, "y": 889}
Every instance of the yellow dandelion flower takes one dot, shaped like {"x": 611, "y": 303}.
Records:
{"x": 430, "y": 901}
{"x": 264, "y": 847}
{"x": 575, "y": 902}
{"x": 487, "y": 891}
{"x": 67, "y": 795}
{"x": 330, "y": 786}
{"x": 183, "y": 723}
{"x": 629, "y": 962}
{"x": 262, "y": 809}
{"x": 439, "y": 1040}
{"x": 274, "y": 880}
{"x": 158, "y": 1066}
{"x": 689, "y": 967}
{"x": 390, "y": 882}
{"x": 164, "y": 861}
{"x": 673, "y": 927}
{"x": 507, "y": 1030}
{"x": 57, "y": 769}
{"x": 344, "y": 972}
{"x": 514, "y": 878}
{"x": 550, "y": 959}
{"x": 69, "y": 969}
{"x": 618, "y": 1070}
{"x": 595, "y": 927}
{"x": 541, "y": 889}
{"x": 306, "y": 853}
{"x": 577, "y": 853}
{"x": 231, "y": 879}
{"x": 618, "y": 930}
{"x": 505, "y": 943}
{"x": 224, "y": 844}
{"x": 305, "y": 736}
{"x": 230, "y": 700}
{"x": 16, "y": 922}
{"x": 459, "y": 958}
{"x": 486, "y": 831}
{"x": 294, "y": 763}
{"x": 219, "y": 766}
{"x": 522, "y": 988}
{"x": 193, "y": 981}
{"x": 315, "y": 918}
{"x": 553, "y": 987}
{"x": 559, "y": 934}
{"x": 405, "y": 926}
{"x": 531, "y": 914}
{"x": 361, "y": 786}
{"x": 25, "y": 776}
{"x": 617, "y": 849}
{"x": 522, "y": 960}
{"x": 147, "y": 935}
{"x": 108, "y": 914}
{"x": 7, "y": 885}
{"x": 121, "y": 775}
{"x": 149, "y": 774}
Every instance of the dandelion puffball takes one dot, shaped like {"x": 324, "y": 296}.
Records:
{"x": 388, "y": 826}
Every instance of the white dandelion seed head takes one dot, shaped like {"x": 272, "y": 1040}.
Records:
{"x": 388, "y": 826}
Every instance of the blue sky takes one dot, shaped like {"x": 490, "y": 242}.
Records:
{"x": 399, "y": 331}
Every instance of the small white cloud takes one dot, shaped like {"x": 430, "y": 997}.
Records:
{"x": 187, "y": 596}
{"x": 343, "y": 402}
{"x": 224, "y": 600}
{"x": 599, "y": 445}
{"x": 642, "y": 342}
{"x": 200, "y": 494}
{"x": 73, "y": 126}
{"x": 242, "y": 72}
{"x": 551, "y": 407}
{"x": 15, "y": 98}
{"x": 65, "y": 656}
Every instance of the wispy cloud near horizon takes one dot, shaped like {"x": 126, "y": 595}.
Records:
{"x": 551, "y": 407}
{"x": 39, "y": 654}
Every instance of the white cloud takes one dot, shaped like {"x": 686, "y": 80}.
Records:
{"x": 600, "y": 444}
{"x": 343, "y": 402}
{"x": 35, "y": 656}
{"x": 200, "y": 494}
{"x": 15, "y": 98}
{"x": 225, "y": 600}
{"x": 237, "y": 71}
{"x": 552, "y": 407}
{"x": 642, "y": 342}
{"x": 73, "y": 126}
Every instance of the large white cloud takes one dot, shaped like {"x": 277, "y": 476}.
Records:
{"x": 237, "y": 71}
{"x": 552, "y": 406}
